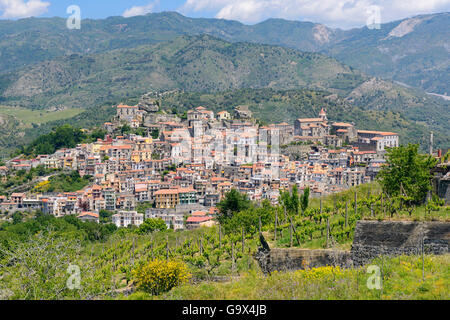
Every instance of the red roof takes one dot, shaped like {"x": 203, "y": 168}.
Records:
{"x": 91, "y": 214}
{"x": 198, "y": 219}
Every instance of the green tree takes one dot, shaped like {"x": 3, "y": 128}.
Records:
{"x": 290, "y": 200}
{"x": 105, "y": 216}
{"x": 17, "y": 217}
{"x": 97, "y": 134}
{"x": 151, "y": 225}
{"x": 64, "y": 136}
{"x": 233, "y": 202}
{"x": 155, "y": 134}
{"x": 141, "y": 132}
{"x": 125, "y": 129}
{"x": 407, "y": 172}
{"x": 304, "y": 199}
{"x": 143, "y": 206}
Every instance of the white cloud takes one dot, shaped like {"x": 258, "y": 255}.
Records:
{"x": 335, "y": 13}
{"x": 22, "y": 9}
{"x": 139, "y": 10}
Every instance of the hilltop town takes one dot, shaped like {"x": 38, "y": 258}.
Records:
{"x": 182, "y": 168}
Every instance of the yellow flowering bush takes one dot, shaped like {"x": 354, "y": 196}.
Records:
{"x": 42, "y": 186}
{"x": 158, "y": 276}
{"x": 321, "y": 273}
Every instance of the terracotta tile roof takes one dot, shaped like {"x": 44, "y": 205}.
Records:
{"x": 125, "y": 106}
{"x": 91, "y": 214}
{"x": 382, "y": 133}
{"x": 199, "y": 219}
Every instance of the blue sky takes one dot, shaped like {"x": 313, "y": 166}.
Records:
{"x": 106, "y": 8}
{"x": 334, "y": 13}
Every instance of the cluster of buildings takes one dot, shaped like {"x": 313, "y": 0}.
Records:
{"x": 194, "y": 162}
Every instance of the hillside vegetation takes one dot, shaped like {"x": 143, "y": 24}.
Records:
{"x": 202, "y": 64}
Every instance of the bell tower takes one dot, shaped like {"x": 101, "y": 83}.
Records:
{"x": 323, "y": 115}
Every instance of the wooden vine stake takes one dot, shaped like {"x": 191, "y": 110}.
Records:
{"x": 290, "y": 235}
{"x": 232, "y": 257}
{"x": 220, "y": 236}
{"x": 201, "y": 245}
{"x": 114, "y": 257}
{"x": 260, "y": 225}
{"x": 328, "y": 231}
{"x": 295, "y": 231}
{"x": 132, "y": 261}
{"x": 243, "y": 240}
{"x": 152, "y": 250}
{"x": 276, "y": 219}
{"x": 167, "y": 247}
{"x": 346, "y": 214}
{"x": 423, "y": 258}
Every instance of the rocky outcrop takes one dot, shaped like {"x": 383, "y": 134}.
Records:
{"x": 148, "y": 103}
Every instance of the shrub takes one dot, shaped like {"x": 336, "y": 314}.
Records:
{"x": 159, "y": 276}
{"x": 151, "y": 225}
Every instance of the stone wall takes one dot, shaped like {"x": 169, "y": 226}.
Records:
{"x": 443, "y": 188}
{"x": 441, "y": 181}
{"x": 295, "y": 259}
{"x": 374, "y": 238}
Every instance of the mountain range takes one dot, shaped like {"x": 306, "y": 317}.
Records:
{"x": 413, "y": 51}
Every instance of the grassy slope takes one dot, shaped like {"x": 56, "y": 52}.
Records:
{"x": 27, "y": 116}
{"x": 23, "y": 135}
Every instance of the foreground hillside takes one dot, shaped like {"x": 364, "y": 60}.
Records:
{"x": 108, "y": 257}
